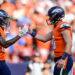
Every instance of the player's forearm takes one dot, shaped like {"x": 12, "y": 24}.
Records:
{"x": 68, "y": 47}
{"x": 67, "y": 51}
{"x": 11, "y": 41}
{"x": 44, "y": 38}
{"x": 41, "y": 38}
{"x": 68, "y": 43}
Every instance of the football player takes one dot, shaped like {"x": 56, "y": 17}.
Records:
{"x": 4, "y": 21}
{"x": 62, "y": 34}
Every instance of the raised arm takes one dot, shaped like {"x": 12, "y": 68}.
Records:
{"x": 8, "y": 43}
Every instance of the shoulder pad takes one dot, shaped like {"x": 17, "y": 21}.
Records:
{"x": 66, "y": 26}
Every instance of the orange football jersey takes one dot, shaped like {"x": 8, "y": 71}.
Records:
{"x": 2, "y": 53}
{"x": 59, "y": 40}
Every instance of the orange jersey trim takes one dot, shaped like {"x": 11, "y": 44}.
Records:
{"x": 2, "y": 53}
{"x": 66, "y": 62}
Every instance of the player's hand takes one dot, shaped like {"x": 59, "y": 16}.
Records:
{"x": 23, "y": 30}
{"x": 60, "y": 63}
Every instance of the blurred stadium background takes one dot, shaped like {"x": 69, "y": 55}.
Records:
{"x": 33, "y": 12}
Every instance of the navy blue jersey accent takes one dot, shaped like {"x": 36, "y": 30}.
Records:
{"x": 65, "y": 26}
{"x": 64, "y": 55}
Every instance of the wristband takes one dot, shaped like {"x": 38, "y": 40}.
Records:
{"x": 33, "y": 33}
{"x": 64, "y": 55}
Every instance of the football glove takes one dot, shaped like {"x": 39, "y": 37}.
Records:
{"x": 23, "y": 31}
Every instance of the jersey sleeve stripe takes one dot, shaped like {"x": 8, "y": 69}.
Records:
{"x": 65, "y": 26}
